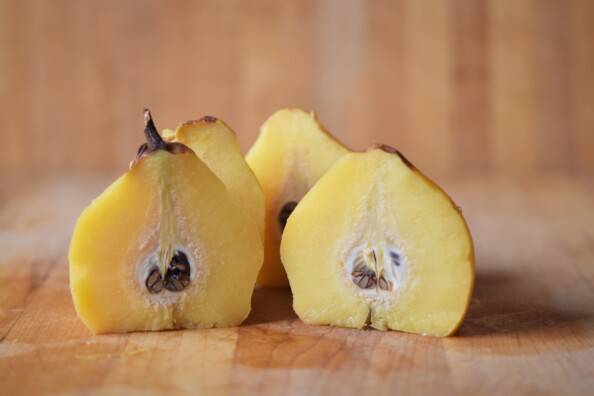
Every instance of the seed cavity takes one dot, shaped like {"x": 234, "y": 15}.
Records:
{"x": 376, "y": 270}
{"x": 284, "y": 214}
{"x": 177, "y": 275}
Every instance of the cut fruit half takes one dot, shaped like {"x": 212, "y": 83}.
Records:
{"x": 292, "y": 152}
{"x": 377, "y": 243}
{"x": 216, "y": 145}
{"x": 163, "y": 247}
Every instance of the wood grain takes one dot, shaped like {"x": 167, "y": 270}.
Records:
{"x": 530, "y": 328}
{"x": 582, "y": 88}
{"x": 471, "y": 115}
{"x": 514, "y": 120}
{"x": 496, "y": 87}
{"x": 554, "y": 101}
{"x": 427, "y": 85}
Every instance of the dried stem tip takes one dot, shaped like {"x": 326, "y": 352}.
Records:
{"x": 153, "y": 139}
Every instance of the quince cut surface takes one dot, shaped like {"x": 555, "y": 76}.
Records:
{"x": 165, "y": 246}
{"x": 215, "y": 143}
{"x": 377, "y": 243}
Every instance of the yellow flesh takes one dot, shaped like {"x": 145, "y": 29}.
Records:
{"x": 375, "y": 200}
{"x": 173, "y": 199}
{"x": 216, "y": 145}
{"x": 292, "y": 152}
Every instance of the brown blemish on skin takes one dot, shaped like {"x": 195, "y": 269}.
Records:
{"x": 209, "y": 119}
{"x": 206, "y": 119}
{"x": 392, "y": 150}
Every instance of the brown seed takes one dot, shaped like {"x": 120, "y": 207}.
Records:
{"x": 177, "y": 285}
{"x": 363, "y": 281}
{"x": 385, "y": 284}
{"x": 180, "y": 266}
{"x": 154, "y": 282}
{"x": 359, "y": 265}
{"x": 177, "y": 276}
{"x": 395, "y": 258}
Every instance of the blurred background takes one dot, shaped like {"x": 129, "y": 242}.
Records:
{"x": 501, "y": 87}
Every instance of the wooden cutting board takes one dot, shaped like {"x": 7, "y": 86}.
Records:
{"x": 530, "y": 328}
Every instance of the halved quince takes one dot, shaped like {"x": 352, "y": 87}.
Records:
{"x": 216, "y": 145}
{"x": 291, "y": 153}
{"x": 165, "y": 246}
{"x": 377, "y": 243}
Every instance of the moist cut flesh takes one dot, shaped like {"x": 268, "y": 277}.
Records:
{"x": 216, "y": 145}
{"x": 377, "y": 243}
{"x": 165, "y": 246}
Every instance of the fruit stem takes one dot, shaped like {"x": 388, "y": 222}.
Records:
{"x": 153, "y": 139}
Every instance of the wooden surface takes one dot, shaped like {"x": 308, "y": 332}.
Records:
{"x": 530, "y": 328}
{"x": 462, "y": 86}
